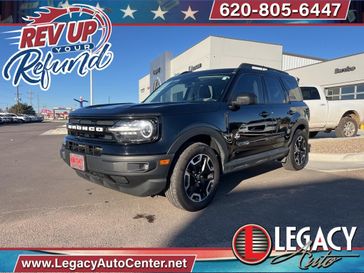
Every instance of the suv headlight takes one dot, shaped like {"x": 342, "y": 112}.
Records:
{"x": 135, "y": 131}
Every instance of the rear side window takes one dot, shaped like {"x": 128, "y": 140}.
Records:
{"x": 294, "y": 92}
{"x": 275, "y": 91}
{"x": 310, "y": 93}
{"x": 249, "y": 84}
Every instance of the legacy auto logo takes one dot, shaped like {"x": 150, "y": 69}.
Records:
{"x": 60, "y": 41}
{"x": 252, "y": 244}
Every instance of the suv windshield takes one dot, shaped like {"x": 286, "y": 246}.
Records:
{"x": 191, "y": 87}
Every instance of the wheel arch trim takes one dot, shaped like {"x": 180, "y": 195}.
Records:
{"x": 201, "y": 130}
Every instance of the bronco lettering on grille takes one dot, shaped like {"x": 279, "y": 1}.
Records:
{"x": 85, "y": 128}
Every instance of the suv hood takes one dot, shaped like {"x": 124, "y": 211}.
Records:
{"x": 130, "y": 109}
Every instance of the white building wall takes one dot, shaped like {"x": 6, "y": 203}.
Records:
{"x": 323, "y": 74}
{"x": 144, "y": 87}
{"x": 292, "y": 61}
{"x": 218, "y": 52}
{"x": 198, "y": 54}
{"x": 230, "y": 53}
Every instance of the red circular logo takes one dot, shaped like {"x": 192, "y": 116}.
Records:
{"x": 252, "y": 244}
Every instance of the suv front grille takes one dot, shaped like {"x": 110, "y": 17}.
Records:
{"x": 91, "y": 129}
{"x": 83, "y": 148}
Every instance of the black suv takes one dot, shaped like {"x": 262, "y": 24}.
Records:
{"x": 193, "y": 128}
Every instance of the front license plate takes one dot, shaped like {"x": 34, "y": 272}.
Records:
{"x": 77, "y": 162}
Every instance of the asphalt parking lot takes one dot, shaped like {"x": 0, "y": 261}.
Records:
{"x": 43, "y": 203}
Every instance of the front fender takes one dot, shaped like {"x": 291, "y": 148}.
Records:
{"x": 198, "y": 130}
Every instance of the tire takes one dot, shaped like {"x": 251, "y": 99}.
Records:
{"x": 195, "y": 178}
{"x": 297, "y": 157}
{"x": 348, "y": 127}
{"x": 313, "y": 134}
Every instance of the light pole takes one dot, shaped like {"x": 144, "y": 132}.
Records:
{"x": 91, "y": 89}
{"x": 91, "y": 79}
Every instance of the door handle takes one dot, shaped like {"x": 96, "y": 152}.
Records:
{"x": 265, "y": 114}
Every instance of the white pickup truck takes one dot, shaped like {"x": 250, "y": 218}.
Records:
{"x": 343, "y": 116}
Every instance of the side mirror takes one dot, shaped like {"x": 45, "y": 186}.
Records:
{"x": 243, "y": 99}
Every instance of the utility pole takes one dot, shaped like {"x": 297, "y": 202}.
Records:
{"x": 91, "y": 80}
{"x": 30, "y": 96}
{"x": 91, "y": 89}
{"x": 108, "y": 99}
{"x": 38, "y": 103}
{"x": 17, "y": 95}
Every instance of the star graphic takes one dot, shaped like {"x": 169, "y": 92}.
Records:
{"x": 159, "y": 13}
{"x": 128, "y": 12}
{"x": 67, "y": 6}
{"x": 98, "y": 6}
{"x": 189, "y": 13}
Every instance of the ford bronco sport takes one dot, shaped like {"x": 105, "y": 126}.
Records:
{"x": 195, "y": 127}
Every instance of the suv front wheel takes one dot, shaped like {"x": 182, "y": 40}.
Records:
{"x": 297, "y": 157}
{"x": 195, "y": 177}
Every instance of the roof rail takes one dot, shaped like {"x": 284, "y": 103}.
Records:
{"x": 259, "y": 67}
{"x": 185, "y": 72}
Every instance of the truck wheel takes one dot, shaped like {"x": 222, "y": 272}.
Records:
{"x": 347, "y": 127}
{"x": 297, "y": 157}
{"x": 194, "y": 179}
{"x": 313, "y": 134}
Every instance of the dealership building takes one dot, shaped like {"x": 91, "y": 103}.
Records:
{"x": 342, "y": 78}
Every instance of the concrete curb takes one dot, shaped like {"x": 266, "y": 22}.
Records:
{"x": 349, "y": 157}
{"x": 333, "y": 138}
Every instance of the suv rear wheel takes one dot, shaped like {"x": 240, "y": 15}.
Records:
{"x": 194, "y": 179}
{"x": 297, "y": 157}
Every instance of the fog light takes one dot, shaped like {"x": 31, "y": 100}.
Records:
{"x": 138, "y": 167}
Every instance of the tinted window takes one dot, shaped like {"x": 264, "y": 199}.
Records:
{"x": 275, "y": 91}
{"x": 249, "y": 84}
{"x": 360, "y": 96}
{"x": 176, "y": 94}
{"x": 348, "y": 89}
{"x": 347, "y": 97}
{"x": 310, "y": 93}
{"x": 360, "y": 88}
{"x": 191, "y": 87}
{"x": 294, "y": 91}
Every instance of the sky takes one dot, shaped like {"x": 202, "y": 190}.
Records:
{"x": 135, "y": 47}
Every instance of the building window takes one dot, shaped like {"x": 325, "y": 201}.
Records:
{"x": 360, "y": 91}
{"x": 360, "y": 96}
{"x": 347, "y": 92}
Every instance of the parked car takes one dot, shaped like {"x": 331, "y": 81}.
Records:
{"x": 189, "y": 131}
{"x": 23, "y": 118}
{"x": 35, "y": 118}
{"x": 18, "y": 118}
{"x": 6, "y": 118}
{"x": 40, "y": 118}
{"x": 343, "y": 116}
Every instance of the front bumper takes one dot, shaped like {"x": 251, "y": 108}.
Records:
{"x": 136, "y": 175}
